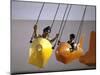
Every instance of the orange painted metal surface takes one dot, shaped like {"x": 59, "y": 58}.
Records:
{"x": 90, "y": 57}
{"x": 64, "y": 55}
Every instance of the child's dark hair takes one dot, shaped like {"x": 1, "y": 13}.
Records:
{"x": 72, "y": 36}
{"x": 47, "y": 29}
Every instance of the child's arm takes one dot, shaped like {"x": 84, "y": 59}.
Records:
{"x": 35, "y": 31}
{"x": 52, "y": 40}
{"x": 34, "y": 35}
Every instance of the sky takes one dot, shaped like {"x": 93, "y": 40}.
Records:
{"x": 30, "y": 11}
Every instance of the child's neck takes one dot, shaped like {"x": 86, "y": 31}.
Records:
{"x": 45, "y": 36}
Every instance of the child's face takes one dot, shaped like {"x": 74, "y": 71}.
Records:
{"x": 45, "y": 33}
{"x": 71, "y": 38}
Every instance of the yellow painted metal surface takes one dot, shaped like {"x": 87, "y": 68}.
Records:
{"x": 40, "y": 52}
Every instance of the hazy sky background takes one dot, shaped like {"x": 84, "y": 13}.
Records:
{"x": 30, "y": 11}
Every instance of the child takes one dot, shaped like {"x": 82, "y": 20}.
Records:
{"x": 46, "y": 32}
{"x": 71, "y": 41}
